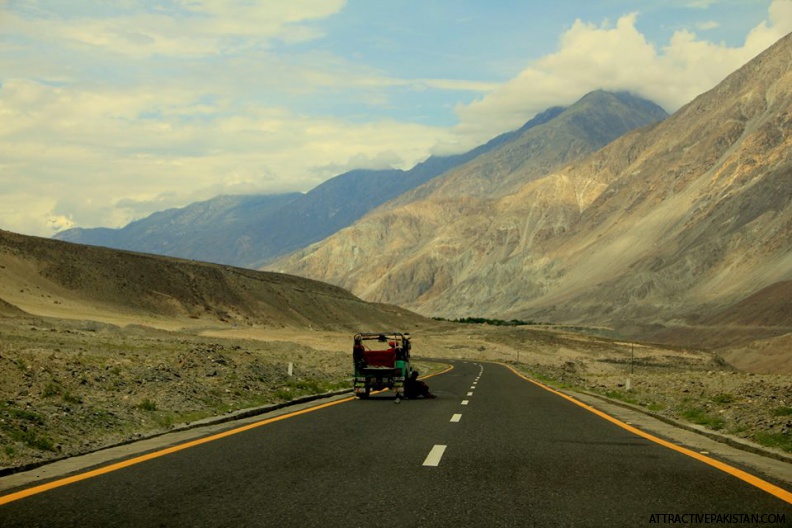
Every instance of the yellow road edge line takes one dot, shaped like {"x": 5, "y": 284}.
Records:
{"x": 156, "y": 454}
{"x": 448, "y": 368}
{"x": 765, "y": 486}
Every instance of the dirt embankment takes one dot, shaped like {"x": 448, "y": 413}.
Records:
{"x": 755, "y": 407}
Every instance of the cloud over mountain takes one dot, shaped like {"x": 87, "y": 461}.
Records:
{"x": 617, "y": 57}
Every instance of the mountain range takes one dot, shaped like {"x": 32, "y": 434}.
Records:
{"x": 250, "y": 231}
{"x": 466, "y": 226}
{"x": 664, "y": 228}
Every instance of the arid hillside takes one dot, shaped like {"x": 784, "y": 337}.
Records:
{"x": 58, "y": 279}
{"x": 430, "y": 247}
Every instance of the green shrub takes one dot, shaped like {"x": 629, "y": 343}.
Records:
{"x": 50, "y": 390}
{"x": 26, "y": 415}
{"x": 33, "y": 440}
{"x": 619, "y": 395}
{"x": 700, "y": 416}
{"x": 147, "y": 405}
{"x": 484, "y": 320}
{"x": 68, "y": 397}
{"x": 776, "y": 440}
{"x": 284, "y": 394}
{"x": 723, "y": 398}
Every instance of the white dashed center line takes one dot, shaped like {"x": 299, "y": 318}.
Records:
{"x": 470, "y": 394}
{"x": 434, "y": 456}
{"x": 456, "y": 417}
{"x": 465, "y": 402}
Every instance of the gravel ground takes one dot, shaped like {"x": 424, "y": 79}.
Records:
{"x": 68, "y": 390}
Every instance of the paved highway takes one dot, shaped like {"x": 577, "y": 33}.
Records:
{"x": 492, "y": 450}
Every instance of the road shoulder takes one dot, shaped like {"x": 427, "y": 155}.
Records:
{"x": 774, "y": 466}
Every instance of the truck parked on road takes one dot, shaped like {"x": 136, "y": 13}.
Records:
{"x": 382, "y": 361}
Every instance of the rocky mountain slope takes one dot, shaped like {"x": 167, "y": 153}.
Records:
{"x": 666, "y": 225}
{"x": 446, "y": 233}
{"x": 688, "y": 217}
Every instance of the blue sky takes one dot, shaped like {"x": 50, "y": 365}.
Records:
{"x": 110, "y": 111}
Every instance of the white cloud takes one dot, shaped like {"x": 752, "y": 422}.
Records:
{"x": 701, "y": 4}
{"x": 102, "y": 164}
{"x": 59, "y": 222}
{"x": 706, "y": 26}
{"x": 102, "y": 150}
{"x": 610, "y": 57}
{"x": 195, "y": 28}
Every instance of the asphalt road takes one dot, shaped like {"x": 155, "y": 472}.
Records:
{"x": 492, "y": 450}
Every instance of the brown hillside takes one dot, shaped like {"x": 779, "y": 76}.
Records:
{"x": 771, "y": 306}
{"x": 753, "y": 334}
{"x": 58, "y": 279}
{"x": 423, "y": 249}
{"x": 694, "y": 215}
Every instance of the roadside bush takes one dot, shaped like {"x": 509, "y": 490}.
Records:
{"x": 700, "y": 416}
{"x": 147, "y": 405}
{"x": 777, "y": 440}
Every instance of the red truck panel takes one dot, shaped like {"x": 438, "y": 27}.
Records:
{"x": 380, "y": 358}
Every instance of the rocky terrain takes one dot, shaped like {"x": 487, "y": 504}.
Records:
{"x": 687, "y": 385}
{"x": 753, "y": 407}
